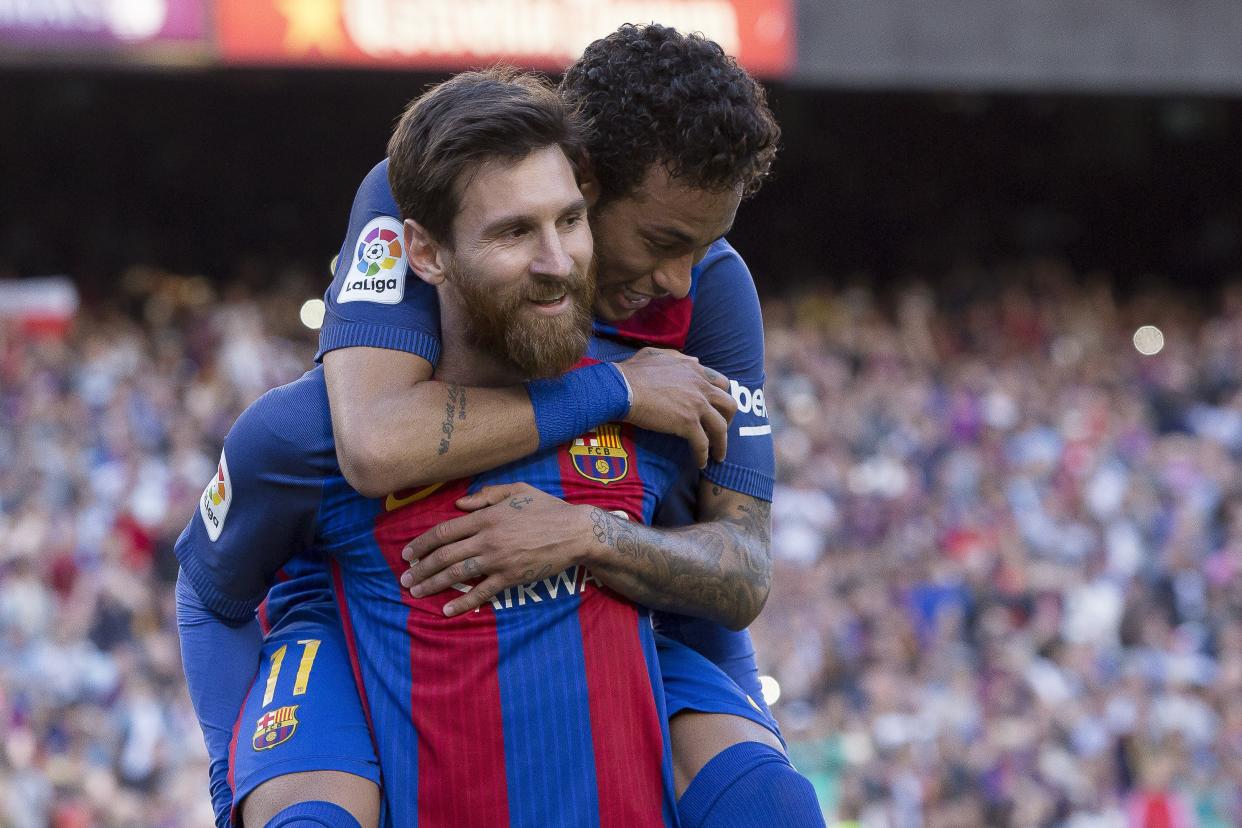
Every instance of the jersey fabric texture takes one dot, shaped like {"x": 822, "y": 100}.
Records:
{"x": 555, "y": 686}
{"x": 719, "y": 322}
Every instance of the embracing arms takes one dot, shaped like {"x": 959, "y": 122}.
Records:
{"x": 397, "y": 428}
{"x": 718, "y": 569}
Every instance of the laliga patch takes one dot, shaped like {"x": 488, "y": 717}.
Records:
{"x": 214, "y": 504}
{"x": 275, "y": 728}
{"x": 599, "y": 455}
{"x": 378, "y": 271}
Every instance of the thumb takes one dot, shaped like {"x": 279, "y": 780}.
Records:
{"x": 484, "y": 497}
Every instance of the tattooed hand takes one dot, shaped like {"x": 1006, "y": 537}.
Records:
{"x": 514, "y": 535}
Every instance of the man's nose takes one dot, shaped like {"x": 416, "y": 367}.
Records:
{"x": 551, "y": 258}
{"x": 673, "y": 276}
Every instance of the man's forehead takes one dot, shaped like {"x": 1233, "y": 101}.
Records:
{"x": 499, "y": 187}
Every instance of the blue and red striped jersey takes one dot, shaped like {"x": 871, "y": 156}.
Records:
{"x": 719, "y": 322}
{"x": 545, "y": 707}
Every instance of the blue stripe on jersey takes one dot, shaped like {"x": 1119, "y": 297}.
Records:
{"x": 532, "y": 694}
{"x": 381, "y": 621}
{"x": 532, "y": 768}
{"x": 653, "y": 673}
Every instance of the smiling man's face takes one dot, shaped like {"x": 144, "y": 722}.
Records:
{"x": 647, "y": 242}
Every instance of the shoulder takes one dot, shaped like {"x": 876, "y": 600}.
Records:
{"x": 722, "y": 276}
{"x": 726, "y": 329}
{"x": 287, "y": 429}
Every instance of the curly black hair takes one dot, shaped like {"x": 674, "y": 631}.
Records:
{"x": 651, "y": 95}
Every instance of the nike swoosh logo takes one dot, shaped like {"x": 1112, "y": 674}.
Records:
{"x": 395, "y": 502}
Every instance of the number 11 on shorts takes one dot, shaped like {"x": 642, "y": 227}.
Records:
{"x": 310, "y": 647}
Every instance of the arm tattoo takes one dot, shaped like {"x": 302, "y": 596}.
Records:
{"x": 719, "y": 569}
{"x": 454, "y": 410}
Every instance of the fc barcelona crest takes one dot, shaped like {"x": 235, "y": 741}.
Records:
{"x": 275, "y": 728}
{"x": 598, "y": 455}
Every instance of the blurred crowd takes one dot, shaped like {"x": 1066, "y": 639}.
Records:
{"x": 1009, "y": 580}
{"x": 107, "y": 437}
{"x": 1009, "y": 547}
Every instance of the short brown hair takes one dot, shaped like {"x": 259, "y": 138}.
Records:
{"x": 471, "y": 118}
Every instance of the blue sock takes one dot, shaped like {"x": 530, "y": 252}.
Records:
{"x": 749, "y": 785}
{"x": 315, "y": 814}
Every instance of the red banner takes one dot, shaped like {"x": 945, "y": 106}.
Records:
{"x": 434, "y": 34}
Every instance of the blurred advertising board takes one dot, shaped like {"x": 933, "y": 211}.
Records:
{"x": 434, "y": 34}
{"x": 45, "y": 305}
{"x": 99, "y": 25}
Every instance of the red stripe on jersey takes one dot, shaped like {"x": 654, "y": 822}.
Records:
{"x": 265, "y": 624}
{"x": 233, "y": 813}
{"x": 664, "y": 322}
{"x": 629, "y": 750}
{"x": 455, "y": 694}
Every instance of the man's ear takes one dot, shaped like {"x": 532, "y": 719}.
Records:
{"x": 588, "y": 184}
{"x": 423, "y": 251}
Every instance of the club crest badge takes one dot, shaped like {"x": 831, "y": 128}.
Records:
{"x": 275, "y": 728}
{"x": 599, "y": 455}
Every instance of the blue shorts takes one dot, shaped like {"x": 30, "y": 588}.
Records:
{"x": 691, "y": 682}
{"x": 303, "y": 711}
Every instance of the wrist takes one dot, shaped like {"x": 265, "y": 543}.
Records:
{"x": 568, "y": 406}
{"x": 593, "y": 546}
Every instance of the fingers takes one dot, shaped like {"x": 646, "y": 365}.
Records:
{"x": 716, "y": 428}
{"x": 476, "y": 597}
{"x": 451, "y": 531}
{"x": 716, "y": 378}
{"x": 700, "y": 445}
{"x": 486, "y": 496}
{"x": 724, "y": 403}
{"x": 450, "y": 565}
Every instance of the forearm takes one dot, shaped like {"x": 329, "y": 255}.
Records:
{"x": 719, "y": 570}
{"x": 220, "y": 662}
{"x": 431, "y": 432}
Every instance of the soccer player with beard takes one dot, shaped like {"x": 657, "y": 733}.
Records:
{"x": 678, "y": 135}
{"x": 285, "y": 492}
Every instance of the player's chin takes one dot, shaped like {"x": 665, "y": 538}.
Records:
{"x": 611, "y": 307}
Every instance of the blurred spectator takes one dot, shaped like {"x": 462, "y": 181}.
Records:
{"x": 107, "y": 436}
{"x": 1008, "y": 587}
{"x": 1009, "y": 553}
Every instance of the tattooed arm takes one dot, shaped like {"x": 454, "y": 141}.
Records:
{"x": 719, "y": 569}
{"x": 396, "y": 427}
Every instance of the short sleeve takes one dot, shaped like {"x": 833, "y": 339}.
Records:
{"x": 726, "y": 333}
{"x": 374, "y": 300}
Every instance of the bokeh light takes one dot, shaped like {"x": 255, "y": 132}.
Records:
{"x": 1149, "y": 340}
{"x": 312, "y": 313}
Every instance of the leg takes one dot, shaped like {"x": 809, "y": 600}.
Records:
{"x": 277, "y": 797}
{"x": 302, "y": 753}
{"x": 700, "y": 737}
{"x": 729, "y": 764}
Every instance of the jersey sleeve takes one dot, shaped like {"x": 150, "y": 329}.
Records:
{"x": 726, "y": 333}
{"x": 259, "y": 509}
{"x": 220, "y": 662}
{"x": 374, "y": 300}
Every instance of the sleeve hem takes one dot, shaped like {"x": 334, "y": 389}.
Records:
{"x": 418, "y": 343}
{"x": 211, "y": 596}
{"x": 742, "y": 479}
